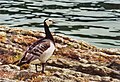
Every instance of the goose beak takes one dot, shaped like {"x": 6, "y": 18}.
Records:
{"x": 53, "y": 21}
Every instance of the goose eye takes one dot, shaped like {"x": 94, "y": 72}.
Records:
{"x": 50, "y": 20}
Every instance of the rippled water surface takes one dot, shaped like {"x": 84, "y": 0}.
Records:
{"x": 94, "y": 21}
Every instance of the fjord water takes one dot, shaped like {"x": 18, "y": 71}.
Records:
{"x": 94, "y": 21}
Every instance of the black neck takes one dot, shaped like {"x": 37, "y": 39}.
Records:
{"x": 48, "y": 33}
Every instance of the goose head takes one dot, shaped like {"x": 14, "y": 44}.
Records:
{"x": 49, "y": 21}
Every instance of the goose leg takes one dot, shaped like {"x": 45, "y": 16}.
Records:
{"x": 36, "y": 68}
{"x": 43, "y": 67}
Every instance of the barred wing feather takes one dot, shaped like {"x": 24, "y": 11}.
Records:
{"x": 35, "y": 51}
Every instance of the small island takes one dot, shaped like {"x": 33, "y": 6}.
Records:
{"x": 72, "y": 61}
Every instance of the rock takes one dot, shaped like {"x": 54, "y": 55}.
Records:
{"x": 72, "y": 61}
{"x": 3, "y": 37}
{"x": 83, "y": 61}
{"x": 111, "y": 51}
{"x": 9, "y": 80}
{"x": 7, "y": 72}
{"x": 14, "y": 67}
{"x": 115, "y": 65}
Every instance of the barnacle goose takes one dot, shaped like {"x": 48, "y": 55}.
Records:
{"x": 41, "y": 49}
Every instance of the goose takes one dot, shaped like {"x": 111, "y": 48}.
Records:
{"x": 40, "y": 50}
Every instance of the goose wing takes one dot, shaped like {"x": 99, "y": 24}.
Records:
{"x": 40, "y": 48}
{"x": 36, "y": 49}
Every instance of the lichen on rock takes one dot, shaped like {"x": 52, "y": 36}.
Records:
{"x": 72, "y": 61}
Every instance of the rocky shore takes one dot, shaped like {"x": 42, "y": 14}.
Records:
{"x": 72, "y": 61}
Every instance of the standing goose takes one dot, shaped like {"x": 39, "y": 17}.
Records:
{"x": 41, "y": 49}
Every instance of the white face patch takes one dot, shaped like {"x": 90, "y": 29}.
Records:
{"x": 49, "y": 21}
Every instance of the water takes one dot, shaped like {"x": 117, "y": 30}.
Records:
{"x": 94, "y": 21}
